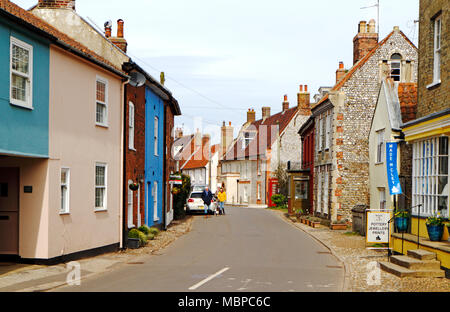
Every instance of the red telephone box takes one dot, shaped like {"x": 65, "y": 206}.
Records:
{"x": 273, "y": 190}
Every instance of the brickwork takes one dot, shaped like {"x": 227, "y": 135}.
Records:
{"x": 135, "y": 159}
{"x": 169, "y": 160}
{"x": 56, "y": 4}
{"x": 433, "y": 99}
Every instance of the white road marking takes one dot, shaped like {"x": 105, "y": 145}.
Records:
{"x": 206, "y": 280}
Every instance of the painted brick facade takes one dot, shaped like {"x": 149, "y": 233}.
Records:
{"x": 433, "y": 99}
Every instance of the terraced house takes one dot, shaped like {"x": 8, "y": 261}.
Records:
{"x": 60, "y": 144}
{"x": 429, "y": 133}
{"x": 343, "y": 119}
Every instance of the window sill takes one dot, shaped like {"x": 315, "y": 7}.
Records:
{"x": 434, "y": 84}
{"x": 22, "y": 105}
{"x": 132, "y": 149}
{"x": 131, "y": 226}
{"x": 156, "y": 220}
{"x": 101, "y": 125}
{"x": 100, "y": 210}
{"x": 379, "y": 163}
{"x": 64, "y": 213}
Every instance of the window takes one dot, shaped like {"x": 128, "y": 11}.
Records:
{"x": 396, "y": 66}
{"x": 325, "y": 192}
{"x": 382, "y": 197}
{"x": 65, "y": 189}
{"x": 131, "y": 127}
{"x": 21, "y": 70}
{"x": 258, "y": 164}
{"x": 130, "y": 206}
{"x": 380, "y": 147}
{"x": 437, "y": 49}
{"x": 430, "y": 176}
{"x": 156, "y": 135}
{"x": 102, "y": 102}
{"x": 321, "y": 133}
{"x": 319, "y": 192}
{"x": 328, "y": 131}
{"x": 155, "y": 201}
{"x": 100, "y": 186}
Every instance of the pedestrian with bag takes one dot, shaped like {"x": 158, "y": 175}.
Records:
{"x": 222, "y": 199}
{"x": 207, "y": 197}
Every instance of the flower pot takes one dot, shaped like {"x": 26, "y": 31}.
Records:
{"x": 402, "y": 224}
{"x": 133, "y": 243}
{"x": 435, "y": 232}
{"x": 338, "y": 227}
{"x": 315, "y": 224}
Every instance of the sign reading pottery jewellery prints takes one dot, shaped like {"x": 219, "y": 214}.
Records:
{"x": 378, "y": 226}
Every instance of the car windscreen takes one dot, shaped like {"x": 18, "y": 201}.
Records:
{"x": 196, "y": 195}
{"x": 198, "y": 188}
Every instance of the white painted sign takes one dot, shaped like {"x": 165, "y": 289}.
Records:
{"x": 378, "y": 227}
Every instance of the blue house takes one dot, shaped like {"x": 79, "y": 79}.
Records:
{"x": 154, "y": 157}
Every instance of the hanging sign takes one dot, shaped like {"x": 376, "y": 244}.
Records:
{"x": 395, "y": 187}
{"x": 378, "y": 227}
{"x": 175, "y": 180}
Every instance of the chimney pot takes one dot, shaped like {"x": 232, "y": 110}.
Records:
{"x": 120, "y": 28}
{"x": 306, "y": 88}
{"x": 301, "y": 88}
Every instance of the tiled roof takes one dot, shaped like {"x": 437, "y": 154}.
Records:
{"x": 263, "y": 129}
{"x": 61, "y": 38}
{"x": 407, "y": 95}
{"x": 359, "y": 64}
{"x": 198, "y": 160}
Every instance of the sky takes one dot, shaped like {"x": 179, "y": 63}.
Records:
{"x": 222, "y": 57}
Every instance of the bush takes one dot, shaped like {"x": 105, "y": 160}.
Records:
{"x": 279, "y": 200}
{"x": 179, "y": 200}
{"x": 142, "y": 238}
{"x": 151, "y": 236}
{"x": 134, "y": 233}
{"x": 144, "y": 229}
{"x": 154, "y": 231}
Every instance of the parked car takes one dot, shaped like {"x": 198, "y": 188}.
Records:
{"x": 195, "y": 202}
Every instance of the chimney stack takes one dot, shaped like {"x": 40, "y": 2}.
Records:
{"x": 340, "y": 73}
{"x": 56, "y": 4}
{"x": 251, "y": 115}
{"x": 226, "y": 138}
{"x": 120, "y": 41}
{"x": 365, "y": 41}
{"x": 285, "y": 103}
{"x": 265, "y": 113}
{"x": 304, "y": 100}
{"x": 108, "y": 29}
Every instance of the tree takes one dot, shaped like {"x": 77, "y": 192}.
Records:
{"x": 283, "y": 180}
{"x": 181, "y": 198}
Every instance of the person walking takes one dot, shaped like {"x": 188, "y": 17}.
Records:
{"x": 207, "y": 197}
{"x": 222, "y": 199}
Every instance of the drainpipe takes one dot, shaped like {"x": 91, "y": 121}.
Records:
{"x": 123, "y": 224}
{"x": 165, "y": 199}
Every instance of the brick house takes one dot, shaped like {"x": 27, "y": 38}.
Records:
{"x": 429, "y": 133}
{"x": 263, "y": 146}
{"x": 343, "y": 118}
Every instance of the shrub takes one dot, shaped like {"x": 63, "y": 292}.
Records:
{"x": 134, "y": 233}
{"x": 179, "y": 200}
{"x": 154, "y": 231}
{"x": 151, "y": 236}
{"x": 144, "y": 229}
{"x": 279, "y": 200}
{"x": 142, "y": 238}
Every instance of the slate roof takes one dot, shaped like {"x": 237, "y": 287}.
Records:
{"x": 262, "y": 129}
{"x": 30, "y": 20}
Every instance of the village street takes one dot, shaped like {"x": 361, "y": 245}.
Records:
{"x": 250, "y": 250}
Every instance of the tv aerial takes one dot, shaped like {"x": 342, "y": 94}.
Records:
{"x": 137, "y": 79}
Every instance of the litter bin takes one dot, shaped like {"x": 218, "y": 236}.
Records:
{"x": 359, "y": 219}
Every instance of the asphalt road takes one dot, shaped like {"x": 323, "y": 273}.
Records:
{"x": 247, "y": 250}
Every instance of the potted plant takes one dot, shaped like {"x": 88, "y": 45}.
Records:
{"x": 435, "y": 228}
{"x": 339, "y": 225}
{"x": 133, "y": 239}
{"x": 315, "y": 222}
{"x": 176, "y": 190}
{"x": 402, "y": 221}
{"x": 134, "y": 186}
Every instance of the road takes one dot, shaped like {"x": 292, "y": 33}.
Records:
{"x": 247, "y": 250}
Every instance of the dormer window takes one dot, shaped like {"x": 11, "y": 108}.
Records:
{"x": 248, "y": 137}
{"x": 396, "y": 65}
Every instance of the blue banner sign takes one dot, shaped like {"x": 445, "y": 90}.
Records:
{"x": 392, "y": 171}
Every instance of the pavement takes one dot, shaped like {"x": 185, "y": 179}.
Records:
{"x": 247, "y": 250}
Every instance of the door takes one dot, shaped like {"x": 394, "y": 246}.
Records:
{"x": 301, "y": 200}
{"x": 9, "y": 211}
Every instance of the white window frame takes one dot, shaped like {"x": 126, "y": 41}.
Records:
{"x": 382, "y": 198}
{"x": 326, "y": 190}
{"x": 258, "y": 190}
{"x": 437, "y": 49}
{"x": 155, "y": 201}
{"x": 130, "y": 206}
{"x": 399, "y": 63}
{"x": 156, "y": 134}
{"x": 426, "y": 176}
{"x": 105, "y": 104}
{"x": 381, "y": 147}
{"x": 131, "y": 125}
{"x": 65, "y": 205}
{"x": 29, "y": 92}
{"x": 105, "y": 187}
{"x": 328, "y": 131}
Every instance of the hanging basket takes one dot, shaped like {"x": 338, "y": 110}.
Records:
{"x": 134, "y": 186}
{"x": 176, "y": 191}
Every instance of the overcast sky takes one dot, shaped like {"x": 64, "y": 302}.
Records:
{"x": 222, "y": 57}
